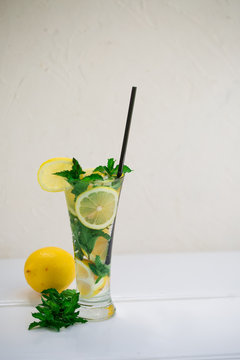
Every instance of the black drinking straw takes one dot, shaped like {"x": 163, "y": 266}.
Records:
{"x": 126, "y": 132}
{"x": 121, "y": 162}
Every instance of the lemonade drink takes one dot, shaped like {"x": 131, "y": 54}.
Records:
{"x": 92, "y": 215}
{"x": 92, "y": 199}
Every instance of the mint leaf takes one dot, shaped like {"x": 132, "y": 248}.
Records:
{"x": 100, "y": 169}
{"x": 99, "y": 269}
{"x": 92, "y": 177}
{"x": 33, "y": 324}
{"x": 98, "y": 279}
{"x": 110, "y": 170}
{"x": 73, "y": 174}
{"x": 110, "y": 164}
{"x": 103, "y": 234}
{"x": 87, "y": 239}
{"x": 39, "y": 316}
{"x": 57, "y": 310}
{"x": 64, "y": 173}
{"x": 79, "y": 186}
{"x": 83, "y": 237}
{"x": 76, "y": 169}
{"x": 68, "y": 293}
{"x": 107, "y": 171}
{"x": 126, "y": 169}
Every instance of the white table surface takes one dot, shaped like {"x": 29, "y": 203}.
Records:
{"x": 169, "y": 306}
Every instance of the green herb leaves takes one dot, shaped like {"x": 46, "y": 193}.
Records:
{"x": 80, "y": 183}
{"x": 92, "y": 177}
{"x": 79, "y": 187}
{"x": 99, "y": 269}
{"x": 73, "y": 178}
{"x": 57, "y": 310}
{"x": 73, "y": 174}
{"x": 111, "y": 170}
{"x": 83, "y": 237}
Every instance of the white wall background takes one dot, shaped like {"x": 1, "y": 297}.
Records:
{"x": 66, "y": 71}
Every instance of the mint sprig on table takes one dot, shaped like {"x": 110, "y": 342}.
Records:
{"x": 57, "y": 310}
{"x": 99, "y": 269}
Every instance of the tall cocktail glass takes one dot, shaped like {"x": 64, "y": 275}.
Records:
{"x": 92, "y": 218}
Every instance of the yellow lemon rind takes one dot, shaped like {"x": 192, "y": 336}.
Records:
{"x": 41, "y": 183}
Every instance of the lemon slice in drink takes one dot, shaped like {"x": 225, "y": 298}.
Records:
{"x": 96, "y": 208}
{"x": 100, "y": 285}
{"x": 100, "y": 249}
{"x": 88, "y": 289}
{"x": 50, "y": 182}
{"x": 86, "y": 280}
{"x": 70, "y": 197}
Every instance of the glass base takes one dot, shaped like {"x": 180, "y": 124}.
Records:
{"x": 96, "y": 311}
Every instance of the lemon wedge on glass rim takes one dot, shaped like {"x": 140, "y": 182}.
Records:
{"x": 46, "y": 178}
{"x": 96, "y": 208}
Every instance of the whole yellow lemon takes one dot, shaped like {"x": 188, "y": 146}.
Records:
{"x": 49, "y": 267}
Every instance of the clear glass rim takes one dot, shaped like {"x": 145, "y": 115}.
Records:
{"x": 104, "y": 181}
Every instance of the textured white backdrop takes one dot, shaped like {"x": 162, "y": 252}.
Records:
{"x": 66, "y": 71}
